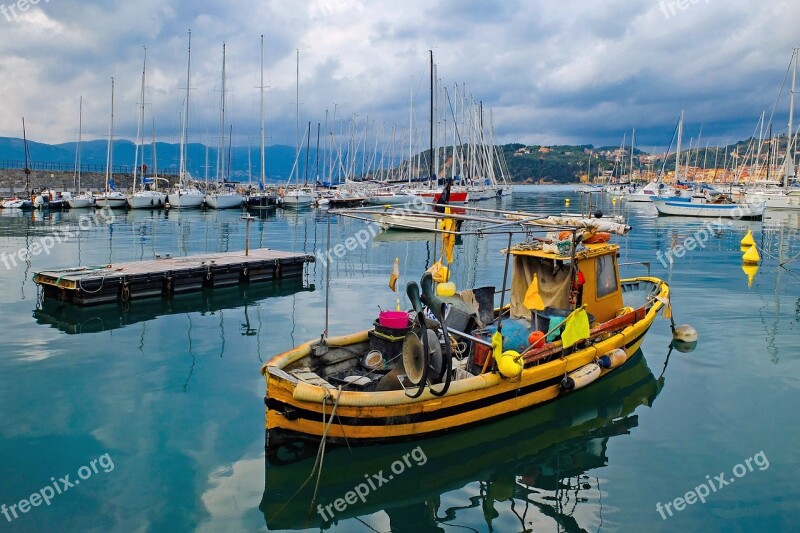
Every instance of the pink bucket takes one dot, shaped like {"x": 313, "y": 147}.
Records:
{"x": 393, "y": 319}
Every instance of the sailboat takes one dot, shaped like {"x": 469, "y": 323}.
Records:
{"x": 110, "y": 197}
{"x": 82, "y": 199}
{"x": 262, "y": 199}
{"x": 24, "y": 202}
{"x": 297, "y": 197}
{"x": 142, "y": 196}
{"x": 701, "y": 203}
{"x": 184, "y": 195}
{"x": 222, "y": 197}
{"x": 782, "y": 197}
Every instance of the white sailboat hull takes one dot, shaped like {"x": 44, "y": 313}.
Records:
{"x": 80, "y": 202}
{"x": 186, "y": 199}
{"x": 395, "y": 199}
{"x": 147, "y": 200}
{"x": 775, "y": 200}
{"x": 114, "y": 200}
{"x": 297, "y": 200}
{"x": 691, "y": 209}
{"x": 224, "y": 201}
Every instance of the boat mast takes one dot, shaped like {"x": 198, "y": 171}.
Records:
{"x": 261, "y": 113}
{"x": 430, "y": 155}
{"x": 27, "y": 169}
{"x": 297, "y": 114}
{"x": 185, "y": 126}
{"x": 789, "y": 140}
{"x": 110, "y": 150}
{"x": 140, "y": 127}
{"x": 410, "y": 128}
{"x": 78, "y": 149}
{"x": 221, "y": 154}
{"x": 678, "y": 151}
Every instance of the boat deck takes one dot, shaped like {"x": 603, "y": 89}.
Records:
{"x": 164, "y": 276}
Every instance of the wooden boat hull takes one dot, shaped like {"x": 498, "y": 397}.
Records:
{"x": 573, "y": 433}
{"x": 296, "y": 409}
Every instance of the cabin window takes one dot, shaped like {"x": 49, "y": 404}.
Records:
{"x": 606, "y": 276}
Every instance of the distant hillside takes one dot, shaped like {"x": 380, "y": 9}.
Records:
{"x": 279, "y": 158}
{"x": 526, "y": 164}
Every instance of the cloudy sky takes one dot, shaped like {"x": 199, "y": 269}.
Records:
{"x": 566, "y": 71}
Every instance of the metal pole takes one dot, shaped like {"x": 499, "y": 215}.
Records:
{"x": 505, "y": 278}
{"x": 327, "y": 278}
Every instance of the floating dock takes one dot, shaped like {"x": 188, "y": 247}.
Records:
{"x": 165, "y": 276}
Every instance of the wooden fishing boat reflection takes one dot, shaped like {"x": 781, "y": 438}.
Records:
{"x": 532, "y": 458}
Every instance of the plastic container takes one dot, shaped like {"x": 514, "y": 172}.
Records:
{"x": 393, "y": 319}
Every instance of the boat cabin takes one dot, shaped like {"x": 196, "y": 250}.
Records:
{"x": 592, "y": 279}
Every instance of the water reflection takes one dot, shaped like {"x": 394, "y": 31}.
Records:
{"x": 529, "y": 469}
{"x": 73, "y": 319}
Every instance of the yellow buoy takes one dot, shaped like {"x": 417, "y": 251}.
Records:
{"x": 510, "y": 364}
{"x": 751, "y": 256}
{"x": 566, "y": 201}
{"x": 446, "y": 289}
{"x": 750, "y": 270}
{"x": 747, "y": 241}
{"x": 614, "y": 201}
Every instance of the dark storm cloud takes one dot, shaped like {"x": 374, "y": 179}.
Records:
{"x": 550, "y": 71}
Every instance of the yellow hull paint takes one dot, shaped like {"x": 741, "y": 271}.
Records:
{"x": 372, "y": 416}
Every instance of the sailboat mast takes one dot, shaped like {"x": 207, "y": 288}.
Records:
{"x": 110, "y": 150}
{"x": 80, "y": 138}
{"x": 678, "y": 150}
{"x": 140, "y": 125}
{"x": 27, "y": 169}
{"x": 297, "y": 107}
{"x": 185, "y": 126}
{"x": 430, "y": 155}
{"x": 261, "y": 113}
{"x": 789, "y": 139}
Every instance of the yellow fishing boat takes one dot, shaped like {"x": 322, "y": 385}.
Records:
{"x": 458, "y": 359}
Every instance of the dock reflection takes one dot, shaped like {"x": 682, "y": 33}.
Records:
{"x": 74, "y": 320}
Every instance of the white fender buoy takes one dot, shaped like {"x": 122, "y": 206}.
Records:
{"x": 613, "y": 359}
{"x": 581, "y": 377}
{"x": 685, "y": 333}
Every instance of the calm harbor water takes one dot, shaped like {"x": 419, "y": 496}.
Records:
{"x": 154, "y": 410}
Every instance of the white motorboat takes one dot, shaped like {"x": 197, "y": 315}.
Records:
{"x": 775, "y": 198}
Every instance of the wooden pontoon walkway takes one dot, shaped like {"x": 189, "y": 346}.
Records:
{"x": 92, "y": 285}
